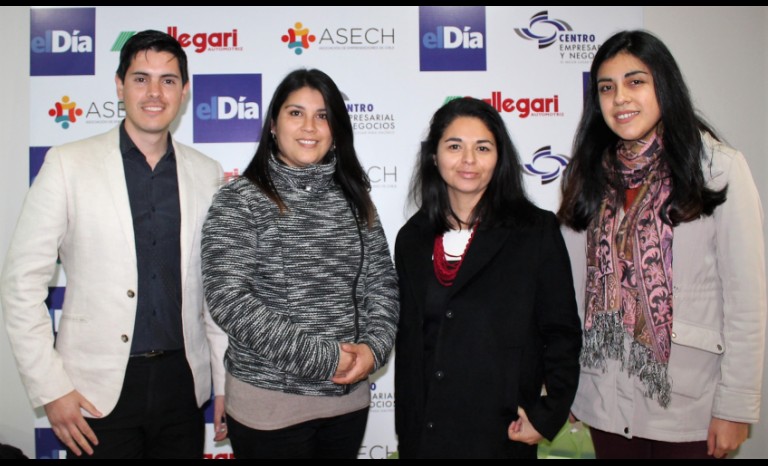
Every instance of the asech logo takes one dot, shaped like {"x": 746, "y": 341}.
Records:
{"x": 62, "y": 41}
{"x": 227, "y": 107}
{"x": 452, "y": 38}
{"x": 298, "y": 38}
{"x": 65, "y": 112}
{"x": 546, "y": 165}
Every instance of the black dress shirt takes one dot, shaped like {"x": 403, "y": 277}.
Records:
{"x": 154, "y": 197}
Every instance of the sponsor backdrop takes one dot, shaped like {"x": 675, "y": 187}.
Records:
{"x": 395, "y": 66}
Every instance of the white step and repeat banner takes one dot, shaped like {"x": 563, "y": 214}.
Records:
{"x": 395, "y": 66}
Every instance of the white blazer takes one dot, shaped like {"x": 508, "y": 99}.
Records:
{"x": 78, "y": 209}
{"x": 719, "y": 318}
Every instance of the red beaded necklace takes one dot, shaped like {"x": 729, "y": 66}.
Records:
{"x": 446, "y": 270}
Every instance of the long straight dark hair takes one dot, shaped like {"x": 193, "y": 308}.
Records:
{"x": 585, "y": 179}
{"x": 349, "y": 174}
{"x": 504, "y": 201}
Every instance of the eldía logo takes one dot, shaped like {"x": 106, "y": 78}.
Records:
{"x": 47, "y": 445}
{"x": 36, "y": 158}
{"x": 227, "y": 107}
{"x": 543, "y": 29}
{"x": 55, "y": 302}
{"x": 199, "y": 41}
{"x": 452, "y": 38}
{"x": 65, "y": 112}
{"x": 546, "y": 165}
{"x": 298, "y": 38}
{"x": 62, "y": 41}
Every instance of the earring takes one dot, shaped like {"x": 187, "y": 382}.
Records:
{"x": 273, "y": 135}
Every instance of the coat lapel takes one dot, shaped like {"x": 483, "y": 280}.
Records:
{"x": 114, "y": 173}
{"x": 188, "y": 208}
{"x": 485, "y": 245}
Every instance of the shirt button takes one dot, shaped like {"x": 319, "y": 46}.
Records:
{"x": 124, "y": 338}
{"x": 131, "y": 294}
{"x": 719, "y": 347}
{"x": 430, "y": 425}
{"x": 674, "y": 335}
{"x": 439, "y": 375}
{"x": 307, "y": 188}
{"x": 449, "y": 314}
{"x": 626, "y": 430}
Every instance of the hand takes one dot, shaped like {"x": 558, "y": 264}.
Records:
{"x": 522, "y": 430}
{"x": 219, "y": 419}
{"x": 725, "y": 436}
{"x": 68, "y": 422}
{"x": 362, "y": 364}
{"x": 346, "y": 362}
{"x": 571, "y": 418}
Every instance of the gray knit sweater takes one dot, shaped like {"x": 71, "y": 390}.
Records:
{"x": 281, "y": 285}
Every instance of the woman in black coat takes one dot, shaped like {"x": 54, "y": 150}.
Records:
{"x": 486, "y": 359}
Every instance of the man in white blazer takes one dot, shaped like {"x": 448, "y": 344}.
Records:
{"x": 136, "y": 349}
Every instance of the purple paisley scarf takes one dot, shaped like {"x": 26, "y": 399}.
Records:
{"x": 629, "y": 274}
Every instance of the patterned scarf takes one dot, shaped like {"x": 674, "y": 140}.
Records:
{"x": 629, "y": 273}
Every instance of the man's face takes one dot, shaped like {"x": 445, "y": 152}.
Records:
{"x": 152, "y": 93}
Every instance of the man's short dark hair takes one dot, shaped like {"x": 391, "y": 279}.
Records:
{"x": 152, "y": 40}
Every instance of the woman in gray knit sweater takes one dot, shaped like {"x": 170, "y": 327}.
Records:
{"x": 297, "y": 271}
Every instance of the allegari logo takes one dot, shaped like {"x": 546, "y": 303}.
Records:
{"x": 452, "y": 38}
{"x": 200, "y": 41}
{"x": 62, "y": 41}
{"x": 525, "y": 107}
{"x": 227, "y": 107}
{"x": 65, "y": 112}
{"x": 298, "y": 38}
{"x": 546, "y": 165}
{"x": 574, "y": 47}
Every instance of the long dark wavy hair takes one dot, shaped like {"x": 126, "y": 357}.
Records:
{"x": 349, "y": 174}
{"x": 504, "y": 201}
{"x": 585, "y": 179}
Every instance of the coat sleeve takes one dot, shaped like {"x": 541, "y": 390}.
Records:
{"x": 560, "y": 330}
{"x": 741, "y": 267}
{"x": 229, "y": 261}
{"x": 29, "y": 267}
{"x": 381, "y": 298}
{"x": 217, "y": 338}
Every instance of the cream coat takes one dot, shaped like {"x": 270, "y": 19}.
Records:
{"x": 719, "y": 319}
{"x": 78, "y": 209}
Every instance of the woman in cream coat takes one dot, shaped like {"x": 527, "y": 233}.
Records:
{"x": 687, "y": 378}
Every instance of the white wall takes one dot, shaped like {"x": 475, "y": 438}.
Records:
{"x": 16, "y": 418}
{"x": 722, "y": 51}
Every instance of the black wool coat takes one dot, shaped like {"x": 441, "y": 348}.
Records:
{"x": 510, "y": 336}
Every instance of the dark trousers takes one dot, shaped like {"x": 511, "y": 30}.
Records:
{"x": 614, "y": 446}
{"x": 333, "y": 437}
{"x": 156, "y": 415}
